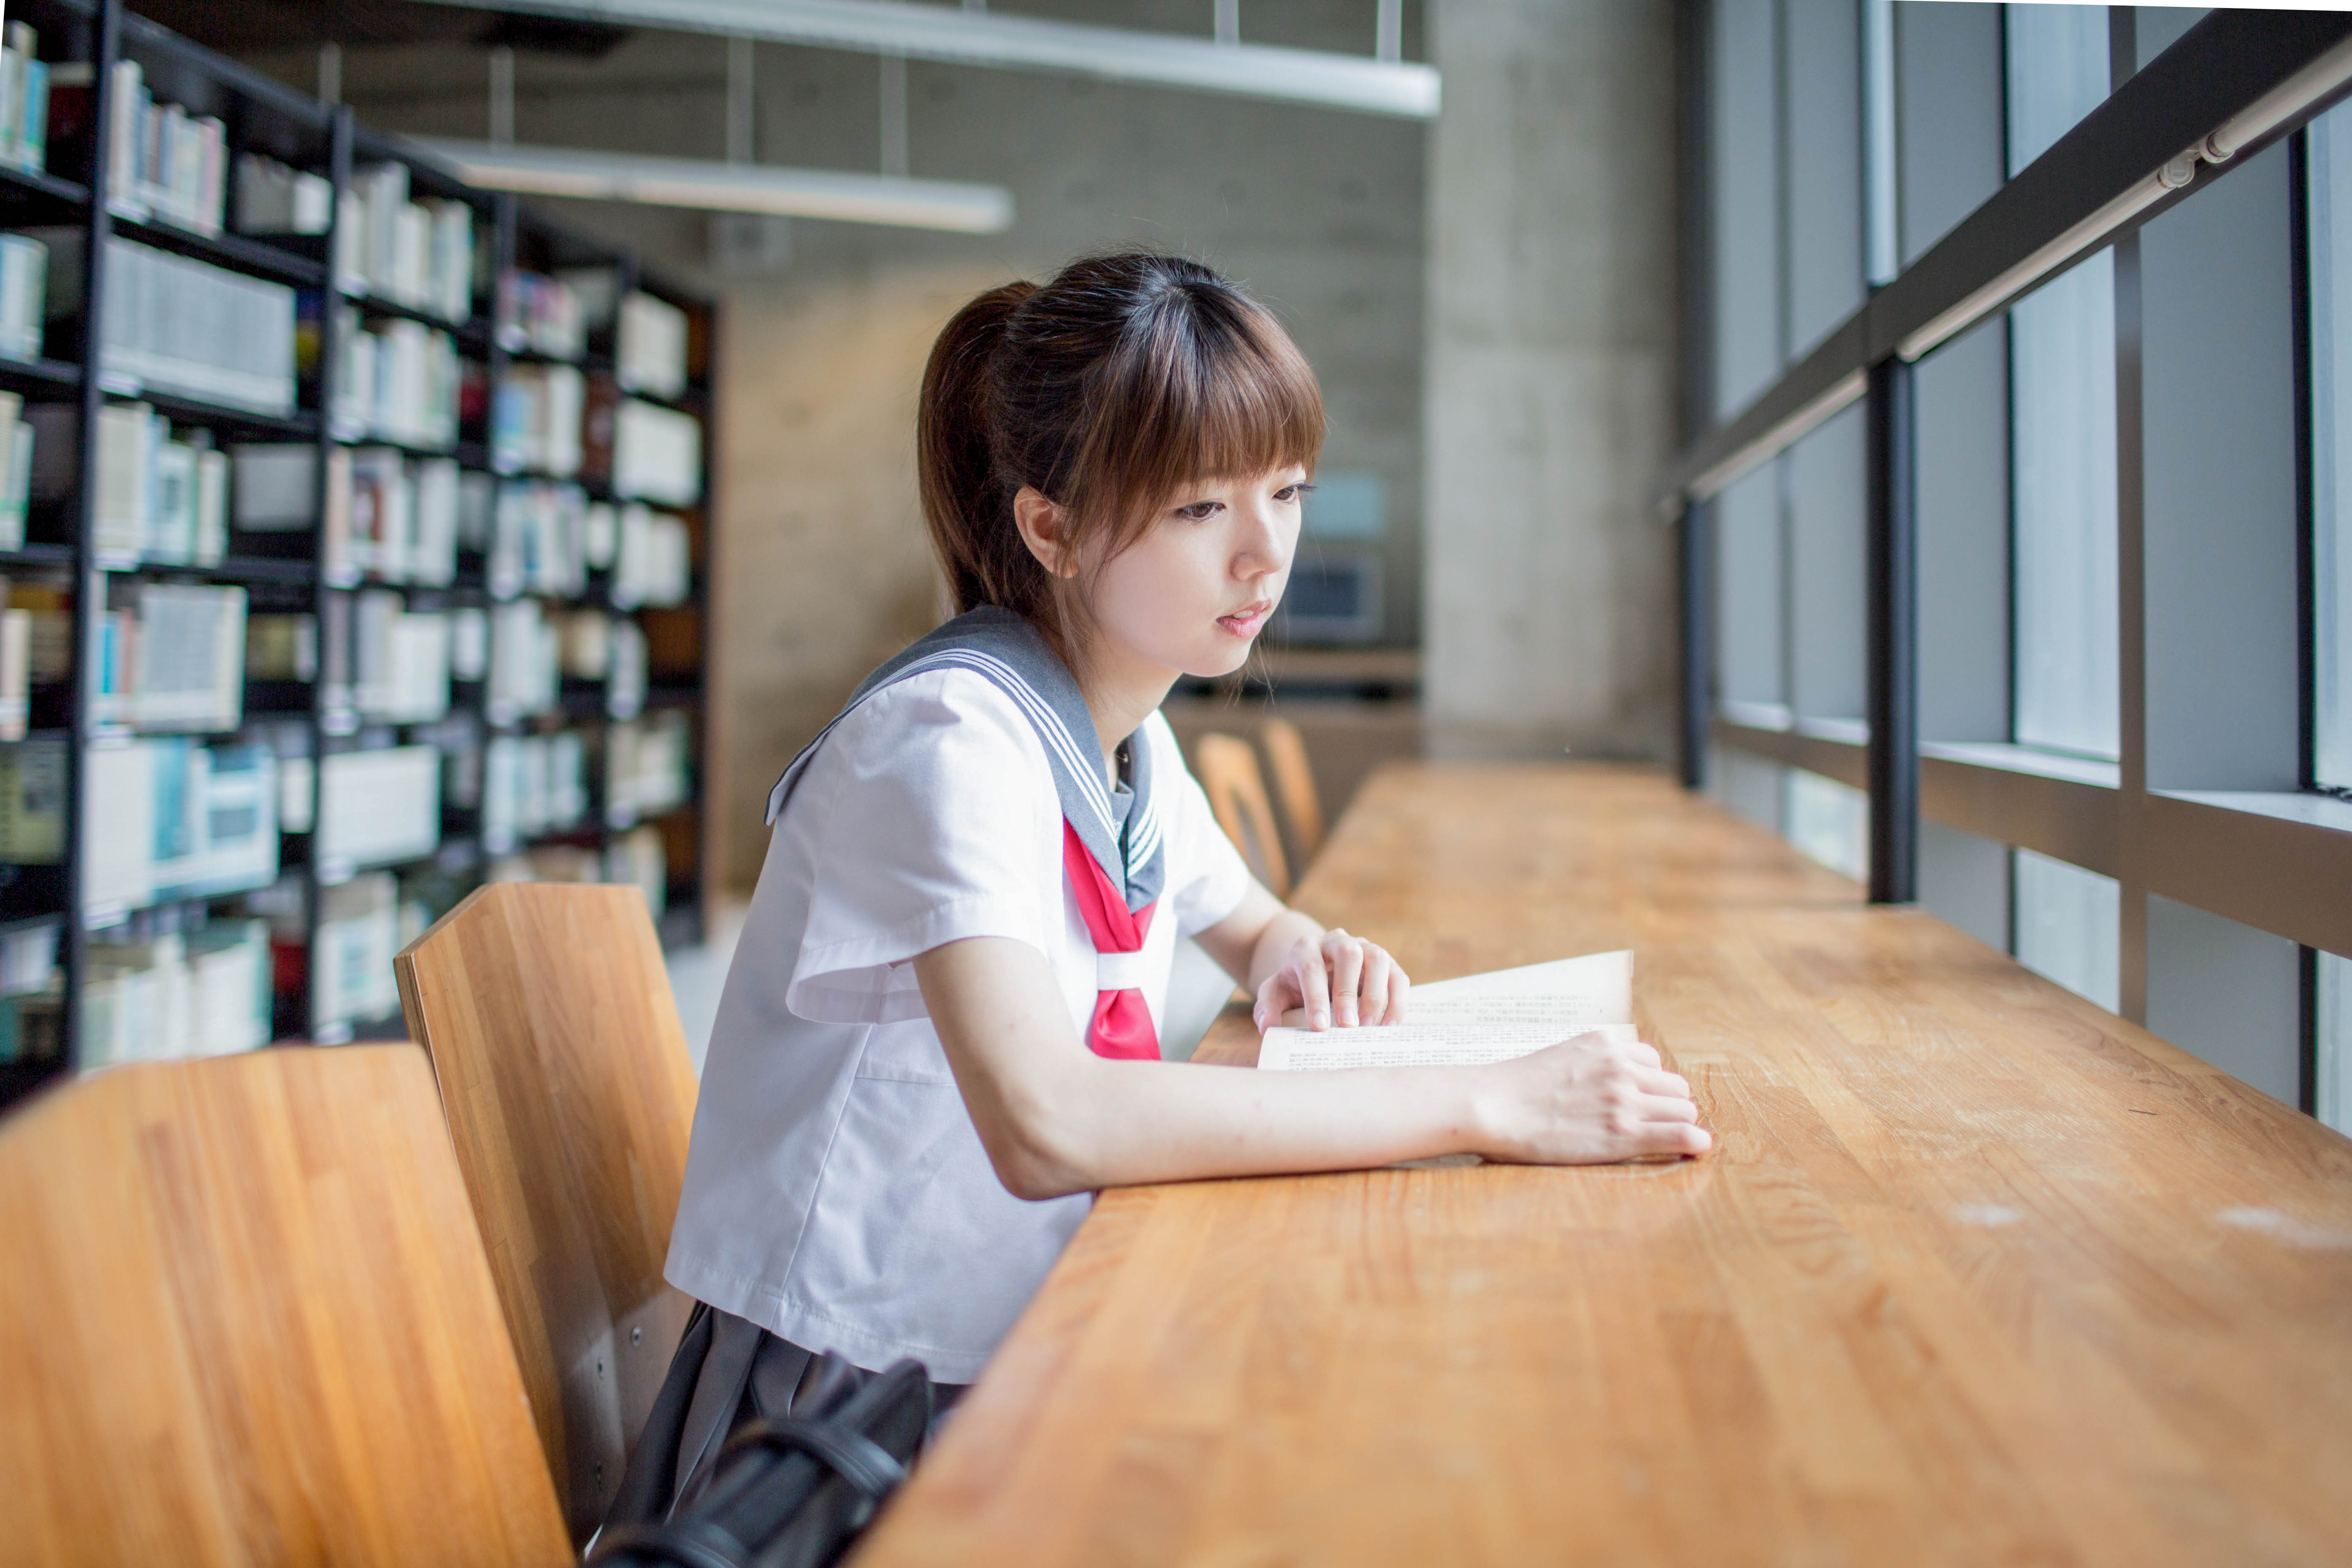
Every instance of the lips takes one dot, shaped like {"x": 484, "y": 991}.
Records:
{"x": 1245, "y": 621}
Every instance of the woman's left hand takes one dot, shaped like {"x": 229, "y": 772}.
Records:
{"x": 1334, "y": 973}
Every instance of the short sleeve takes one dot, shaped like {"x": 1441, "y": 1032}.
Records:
{"x": 1207, "y": 877}
{"x": 929, "y": 816}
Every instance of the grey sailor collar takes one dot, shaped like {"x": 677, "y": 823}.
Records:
{"x": 1013, "y": 656}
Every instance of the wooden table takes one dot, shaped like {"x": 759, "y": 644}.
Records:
{"x": 1976, "y": 1273}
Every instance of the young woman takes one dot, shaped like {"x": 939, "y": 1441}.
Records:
{"x": 939, "y": 1036}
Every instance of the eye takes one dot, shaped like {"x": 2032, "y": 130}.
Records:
{"x": 1293, "y": 493}
{"x": 1200, "y": 510}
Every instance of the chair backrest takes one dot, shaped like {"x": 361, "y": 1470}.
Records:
{"x": 547, "y": 1014}
{"x": 1293, "y": 787}
{"x": 1236, "y": 792}
{"x": 245, "y": 1319}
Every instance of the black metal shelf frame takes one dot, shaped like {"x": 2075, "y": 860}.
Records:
{"x": 2236, "y": 83}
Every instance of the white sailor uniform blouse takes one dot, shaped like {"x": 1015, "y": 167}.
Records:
{"x": 836, "y": 1192}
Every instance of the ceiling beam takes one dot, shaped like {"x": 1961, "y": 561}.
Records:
{"x": 929, "y": 32}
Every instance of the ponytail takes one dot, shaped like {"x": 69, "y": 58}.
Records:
{"x": 967, "y": 498}
{"x": 1105, "y": 390}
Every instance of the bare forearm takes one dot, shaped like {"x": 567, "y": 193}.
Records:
{"x": 1120, "y": 1123}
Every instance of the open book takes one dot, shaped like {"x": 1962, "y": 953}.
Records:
{"x": 1476, "y": 1019}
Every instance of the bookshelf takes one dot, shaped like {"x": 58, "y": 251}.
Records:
{"x": 364, "y": 557}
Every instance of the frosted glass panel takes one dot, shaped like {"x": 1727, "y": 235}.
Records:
{"x": 2057, "y": 74}
{"x": 2335, "y": 1021}
{"x": 2067, "y": 926}
{"x": 2331, "y": 446}
{"x": 1830, "y": 822}
{"x": 2062, "y": 446}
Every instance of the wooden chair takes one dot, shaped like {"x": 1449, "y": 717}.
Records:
{"x": 1293, "y": 787}
{"x": 245, "y": 1319}
{"x": 1236, "y": 792}
{"x": 548, "y": 1017}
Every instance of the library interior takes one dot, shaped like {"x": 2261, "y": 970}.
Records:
{"x": 630, "y": 931}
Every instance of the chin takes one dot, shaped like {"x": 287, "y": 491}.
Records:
{"x": 1221, "y": 660}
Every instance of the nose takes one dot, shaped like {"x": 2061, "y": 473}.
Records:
{"x": 1265, "y": 540}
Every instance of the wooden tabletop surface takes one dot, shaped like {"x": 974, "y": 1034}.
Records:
{"x": 1976, "y": 1273}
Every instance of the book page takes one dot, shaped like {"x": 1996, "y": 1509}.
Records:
{"x": 1414, "y": 1045}
{"x": 1563, "y": 997}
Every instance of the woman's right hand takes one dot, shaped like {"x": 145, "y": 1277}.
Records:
{"x": 1586, "y": 1102}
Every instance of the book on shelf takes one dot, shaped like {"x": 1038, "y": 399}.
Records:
{"x": 648, "y": 767}
{"x": 17, "y": 442}
{"x": 653, "y": 564}
{"x": 174, "y": 819}
{"x": 650, "y": 342}
{"x": 607, "y": 648}
{"x": 399, "y": 662}
{"x": 25, "y": 79}
{"x": 203, "y": 993}
{"x": 532, "y": 784}
{"x": 400, "y": 381}
{"x": 417, "y": 253}
{"x": 273, "y": 199}
{"x": 164, "y": 163}
{"x": 24, "y": 295}
{"x": 399, "y": 521}
{"x": 179, "y": 326}
{"x": 280, "y": 646}
{"x": 535, "y": 420}
{"x": 158, "y": 498}
{"x": 274, "y": 485}
{"x": 538, "y": 314}
{"x": 183, "y": 651}
{"x": 32, "y": 800}
{"x": 378, "y": 806}
{"x": 526, "y": 662}
{"x": 361, "y": 928}
{"x": 539, "y": 539}
{"x": 656, "y": 454}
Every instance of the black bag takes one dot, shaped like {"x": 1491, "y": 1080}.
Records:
{"x": 758, "y": 1451}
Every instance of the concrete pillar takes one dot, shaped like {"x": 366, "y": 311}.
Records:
{"x": 1548, "y": 608}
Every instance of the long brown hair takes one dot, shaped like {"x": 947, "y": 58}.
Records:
{"x": 1104, "y": 389}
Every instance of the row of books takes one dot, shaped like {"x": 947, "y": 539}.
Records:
{"x": 532, "y": 784}
{"x": 538, "y": 314}
{"x": 24, "y": 295}
{"x": 273, "y": 199}
{"x": 174, "y": 819}
{"x": 389, "y": 517}
{"x": 164, "y": 163}
{"x": 203, "y": 993}
{"x": 536, "y": 414}
{"x": 162, "y": 495}
{"x": 25, "y": 79}
{"x": 181, "y": 326}
{"x": 417, "y": 253}
{"x": 401, "y": 382}
{"x": 171, "y": 659}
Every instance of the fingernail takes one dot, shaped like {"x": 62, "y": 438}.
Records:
{"x": 1322, "y": 1019}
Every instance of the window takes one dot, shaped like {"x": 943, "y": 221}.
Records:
{"x": 2063, "y": 418}
{"x": 2067, "y": 925}
{"x": 2330, "y": 198}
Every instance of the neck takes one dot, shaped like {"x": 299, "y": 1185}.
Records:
{"x": 1122, "y": 690}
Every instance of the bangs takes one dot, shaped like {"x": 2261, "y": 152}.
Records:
{"x": 1204, "y": 385}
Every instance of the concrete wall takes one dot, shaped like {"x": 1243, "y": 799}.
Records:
{"x": 1552, "y": 370}
{"x": 825, "y": 567}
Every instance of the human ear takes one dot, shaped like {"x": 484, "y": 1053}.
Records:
{"x": 1041, "y": 525}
